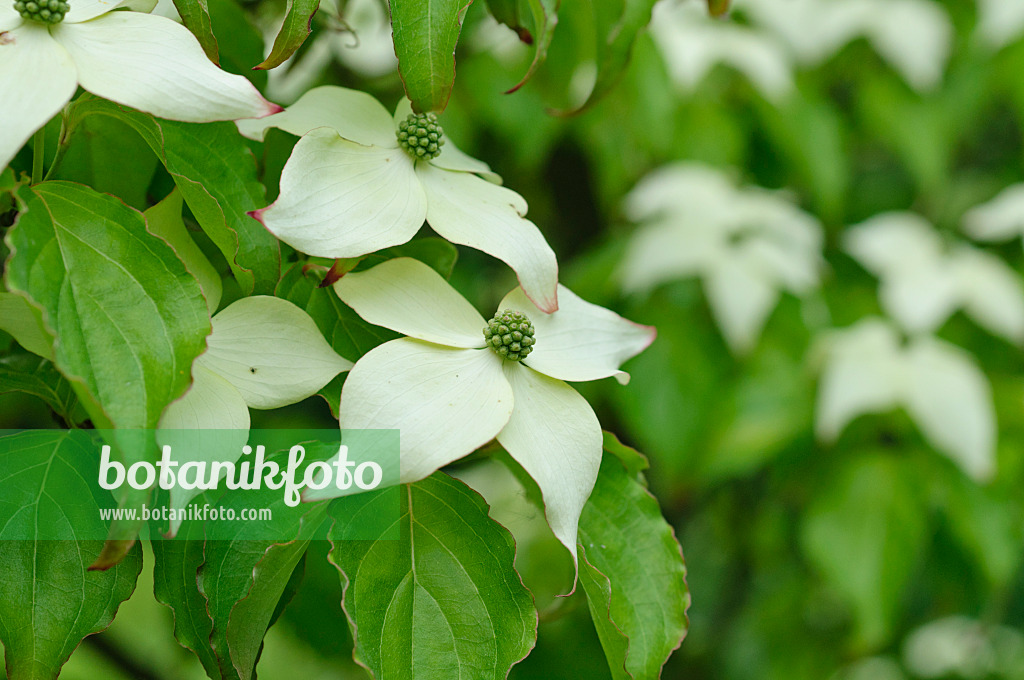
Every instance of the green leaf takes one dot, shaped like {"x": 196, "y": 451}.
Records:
{"x": 442, "y": 601}
{"x": 164, "y": 220}
{"x": 297, "y": 26}
{"x": 618, "y": 25}
{"x": 244, "y": 575}
{"x": 49, "y": 601}
{"x": 29, "y": 374}
{"x": 986, "y": 523}
{"x": 241, "y": 43}
{"x": 865, "y": 531}
{"x": 507, "y": 12}
{"x": 24, "y": 321}
{"x": 107, "y": 155}
{"x": 634, "y": 461}
{"x": 128, "y": 316}
{"x": 632, "y": 570}
{"x": 425, "y": 33}
{"x": 175, "y": 570}
{"x": 224, "y": 580}
{"x": 216, "y": 173}
{"x": 545, "y": 18}
{"x": 195, "y": 14}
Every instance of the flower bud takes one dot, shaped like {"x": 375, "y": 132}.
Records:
{"x": 421, "y": 136}
{"x": 510, "y": 334}
{"x": 42, "y": 11}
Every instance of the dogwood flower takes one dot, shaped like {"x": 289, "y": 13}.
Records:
{"x": 914, "y": 36}
{"x": 359, "y": 180}
{"x": 147, "y": 62}
{"x": 746, "y": 244}
{"x": 923, "y": 281}
{"x": 869, "y": 370}
{"x": 1000, "y": 22}
{"x": 693, "y": 43}
{"x": 457, "y": 381}
{"x": 263, "y": 353}
{"x": 1000, "y": 219}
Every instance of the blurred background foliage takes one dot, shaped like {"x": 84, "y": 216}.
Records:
{"x": 870, "y": 557}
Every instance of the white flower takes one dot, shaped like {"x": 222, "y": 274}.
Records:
{"x": 1000, "y": 219}
{"x": 868, "y": 370}
{"x": 923, "y": 282}
{"x": 914, "y": 36}
{"x": 147, "y": 62}
{"x": 263, "y": 353}
{"x": 1000, "y": 21}
{"x": 746, "y": 244}
{"x": 350, "y": 189}
{"x": 957, "y": 646}
{"x": 449, "y": 393}
{"x": 693, "y": 44}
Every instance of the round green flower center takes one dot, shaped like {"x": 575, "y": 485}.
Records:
{"x": 43, "y": 11}
{"x": 421, "y": 136}
{"x": 510, "y": 334}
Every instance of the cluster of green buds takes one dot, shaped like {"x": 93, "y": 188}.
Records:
{"x": 510, "y": 334}
{"x": 43, "y": 11}
{"x": 421, "y": 135}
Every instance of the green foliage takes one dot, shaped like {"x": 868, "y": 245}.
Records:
{"x": 425, "y": 36}
{"x": 49, "y": 601}
{"x": 807, "y": 559}
{"x": 297, "y": 27}
{"x": 441, "y": 599}
{"x": 633, "y": 573}
{"x": 114, "y": 294}
{"x": 193, "y": 155}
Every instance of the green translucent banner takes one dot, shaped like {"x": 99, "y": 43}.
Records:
{"x": 215, "y": 484}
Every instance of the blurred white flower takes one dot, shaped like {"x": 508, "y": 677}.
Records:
{"x": 746, "y": 244}
{"x": 693, "y": 43}
{"x": 1000, "y": 21}
{"x": 450, "y": 389}
{"x": 868, "y": 369}
{"x": 964, "y": 647}
{"x": 914, "y": 36}
{"x": 923, "y": 281}
{"x": 1001, "y": 219}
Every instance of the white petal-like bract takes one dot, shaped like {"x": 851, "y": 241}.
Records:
{"x": 271, "y": 351}
{"x": 356, "y": 116}
{"x": 37, "y": 78}
{"x": 943, "y": 390}
{"x": 1000, "y": 219}
{"x": 446, "y": 402}
{"x": 409, "y": 297}
{"x": 581, "y": 341}
{"x": 747, "y": 244}
{"x": 156, "y": 65}
{"x": 554, "y": 434}
{"x": 342, "y": 199}
{"x": 923, "y": 282}
{"x": 471, "y": 211}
